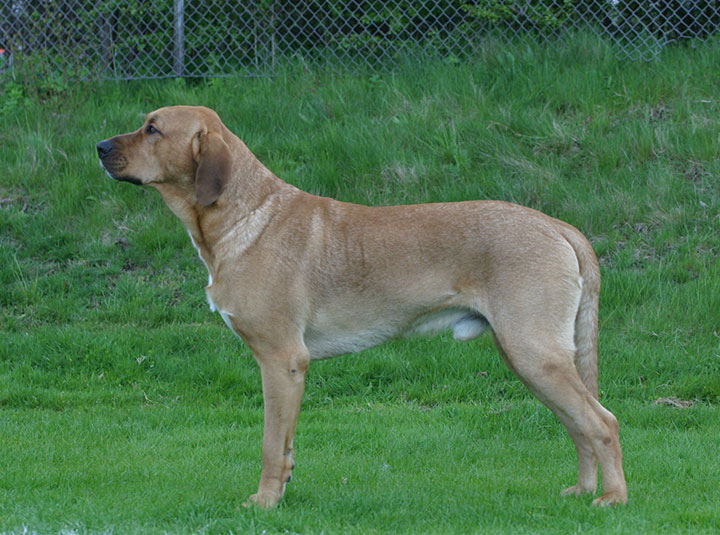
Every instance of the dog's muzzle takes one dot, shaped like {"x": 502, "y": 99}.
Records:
{"x": 109, "y": 161}
{"x": 104, "y": 148}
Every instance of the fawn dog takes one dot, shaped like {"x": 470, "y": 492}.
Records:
{"x": 299, "y": 277}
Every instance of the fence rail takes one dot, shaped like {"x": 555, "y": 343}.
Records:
{"x": 139, "y": 39}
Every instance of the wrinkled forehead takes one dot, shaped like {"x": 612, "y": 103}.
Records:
{"x": 174, "y": 119}
{"x": 182, "y": 118}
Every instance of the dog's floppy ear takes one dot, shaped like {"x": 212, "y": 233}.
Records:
{"x": 214, "y": 167}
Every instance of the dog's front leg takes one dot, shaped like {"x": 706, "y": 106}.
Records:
{"x": 283, "y": 381}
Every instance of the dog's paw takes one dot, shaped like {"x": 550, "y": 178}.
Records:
{"x": 576, "y": 490}
{"x": 611, "y": 499}
{"x": 263, "y": 499}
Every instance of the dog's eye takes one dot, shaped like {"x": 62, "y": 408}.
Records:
{"x": 150, "y": 129}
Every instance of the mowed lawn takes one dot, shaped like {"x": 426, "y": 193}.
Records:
{"x": 127, "y": 407}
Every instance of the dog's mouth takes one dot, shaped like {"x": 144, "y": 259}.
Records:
{"x": 130, "y": 179}
{"x": 114, "y": 174}
{"x": 113, "y": 163}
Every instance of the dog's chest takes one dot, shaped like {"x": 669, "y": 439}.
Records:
{"x": 199, "y": 252}
{"x": 224, "y": 314}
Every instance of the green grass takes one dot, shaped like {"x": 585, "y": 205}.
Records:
{"x": 127, "y": 407}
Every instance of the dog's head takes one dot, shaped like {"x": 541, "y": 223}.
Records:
{"x": 182, "y": 147}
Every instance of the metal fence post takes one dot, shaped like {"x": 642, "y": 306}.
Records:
{"x": 179, "y": 38}
{"x": 227, "y": 37}
{"x": 105, "y": 29}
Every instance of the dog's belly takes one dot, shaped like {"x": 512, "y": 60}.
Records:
{"x": 322, "y": 345}
{"x": 329, "y": 340}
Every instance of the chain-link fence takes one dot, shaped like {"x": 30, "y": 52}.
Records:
{"x": 113, "y": 39}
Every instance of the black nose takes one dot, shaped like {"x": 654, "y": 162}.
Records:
{"x": 104, "y": 148}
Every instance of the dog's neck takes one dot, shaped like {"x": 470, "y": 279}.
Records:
{"x": 248, "y": 200}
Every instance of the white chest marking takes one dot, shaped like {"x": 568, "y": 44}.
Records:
{"x": 226, "y": 318}
{"x": 210, "y": 279}
{"x": 225, "y": 315}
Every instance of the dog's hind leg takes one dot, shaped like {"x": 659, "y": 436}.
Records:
{"x": 550, "y": 374}
{"x": 283, "y": 381}
{"x": 587, "y": 464}
{"x": 587, "y": 461}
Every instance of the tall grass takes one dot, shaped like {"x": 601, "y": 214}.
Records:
{"x": 126, "y": 407}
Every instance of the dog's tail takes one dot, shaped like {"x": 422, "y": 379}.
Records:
{"x": 586, "y": 321}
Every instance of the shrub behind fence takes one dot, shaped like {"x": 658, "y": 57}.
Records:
{"x": 136, "y": 39}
